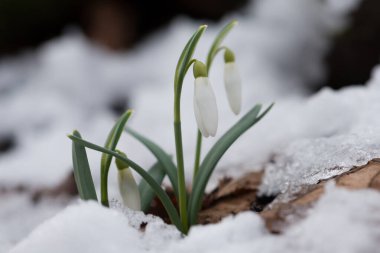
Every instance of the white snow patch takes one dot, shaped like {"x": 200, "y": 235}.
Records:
{"x": 19, "y": 216}
{"x": 89, "y": 227}
{"x": 344, "y": 133}
{"x": 342, "y": 221}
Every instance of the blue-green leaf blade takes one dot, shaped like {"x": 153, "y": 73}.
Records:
{"x": 146, "y": 192}
{"x": 214, "y": 155}
{"x": 82, "y": 172}
{"x": 163, "y": 158}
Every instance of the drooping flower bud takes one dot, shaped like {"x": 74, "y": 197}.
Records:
{"x": 127, "y": 185}
{"x": 232, "y": 82}
{"x": 205, "y": 108}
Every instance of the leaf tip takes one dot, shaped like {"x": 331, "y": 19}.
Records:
{"x": 75, "y": 135}
{"x": 270, "y": 106}
{"x": 130, "y": 111}
{"x": 202, "y": 28}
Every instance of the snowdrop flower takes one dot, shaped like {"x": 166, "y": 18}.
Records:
{"x": 232, "y": 82}
{"x": 205, "y": 108}
{"x": 127, "y": 186}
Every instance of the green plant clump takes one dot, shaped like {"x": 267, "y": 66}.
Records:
{"x": 139, "y": 197}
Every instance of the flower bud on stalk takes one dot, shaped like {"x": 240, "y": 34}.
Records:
{"x": 127, "y": 185}
{"x": 205, "y": 108}
{"x": 232, "y": 81}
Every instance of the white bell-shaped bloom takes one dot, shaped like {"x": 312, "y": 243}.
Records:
{"x": 205, "y": 108}
{"x": 232, "y": 83}
{"x": 129, "y": 190}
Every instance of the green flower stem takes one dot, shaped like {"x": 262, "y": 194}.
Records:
{"x": 218, "y": 41}
{"x": 190, "y": 63}
{"x": 197, "y": 154}
{"x": 214, "y": 55}
{"x": 184, "y": 62}
{"x": 179, "y": 152}
{"x": 180, "y": 164}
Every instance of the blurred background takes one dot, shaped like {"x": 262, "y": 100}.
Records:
{"x": 122, "y": 24}
{"x": 114, "y": 24}
{"x": 81, "y": 63}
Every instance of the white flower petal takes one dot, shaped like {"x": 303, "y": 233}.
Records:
{"x": 232, "y": 84}
{"x": 199, "y": 119}
{"x": 205, "y": 102}
{"x": 129, "y": 190}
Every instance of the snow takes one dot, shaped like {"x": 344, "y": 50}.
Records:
{"x": 19, "y": 216}
{"x": 342, "y": 221}
{"x": 103, "y": 230}
{"x": 345, "y": 134}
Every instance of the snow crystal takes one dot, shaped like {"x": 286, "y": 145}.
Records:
{"x": 345, "y": 134}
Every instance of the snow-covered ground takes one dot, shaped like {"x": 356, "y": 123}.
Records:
{"x": 342, "y": 221}
{"x": 279, "y": 45}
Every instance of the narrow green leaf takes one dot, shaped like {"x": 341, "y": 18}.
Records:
{"x": 163, "y": 158}
{"x": 214, "y": 155}
{"x": 186, "y": 57}
{"x": 82, "y": 173}
{"x": 146, "y": 192}
{"x": 161, "y": 194}
{"x": 218, "y": 41}
{"x": 105, "y": 162}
